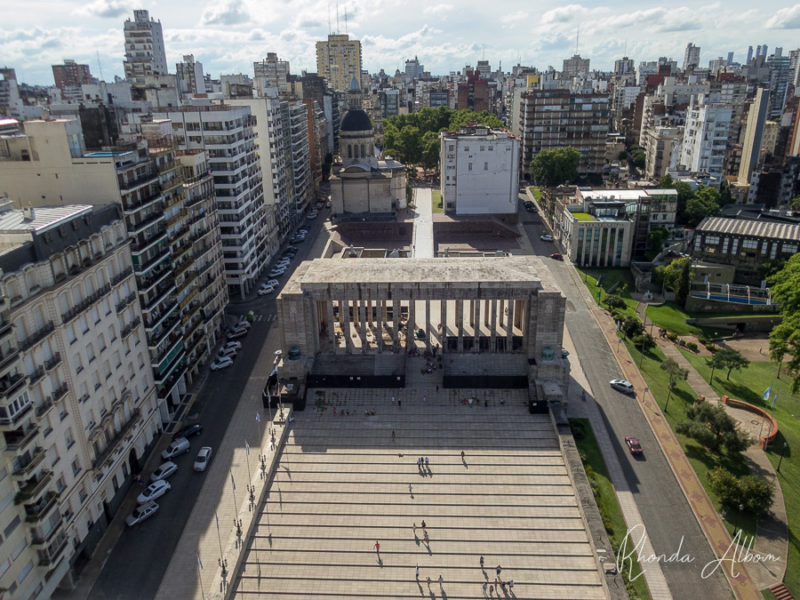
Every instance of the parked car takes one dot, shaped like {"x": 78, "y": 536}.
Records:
{"x": 153, "y": 491}
{"x": 274, "y": 282}
{"x": 227, "y": 351}
{"x": 633, "y": 445}
{"x": 283, "y": 264}
{"x": 304, "y": 229}
{"x": 622, "y": 385}
{"x": 297, "y": 239}
{"x": 277, "y": 272}
{"x": 222, "y": 362}
{"x": 290, "y": 251}
{"x": 244, "y": 322}
{"x": 557, "y": 256}
{"x": 312, "y": 215}
{"x": 140, "y": 513}
{"x": 176, "y": 448}
{"x": 237, "y": 333}
{"x": 564, "y": 353}
{"x": 235, "y": 345}
{"x": 328, "y": 204}
{"x": 265, "y": 289}
{"x": 190, "y": 430}
{"x": 546, "y": 238}
{"x": 203, "y": 458}
{"x": 240, "y": 327}
{"x": 164, "y": 470}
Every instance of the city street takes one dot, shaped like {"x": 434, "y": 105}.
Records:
{"x": 671, "y": 525}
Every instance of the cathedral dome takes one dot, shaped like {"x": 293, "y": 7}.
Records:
{"x": 356, "y": 120}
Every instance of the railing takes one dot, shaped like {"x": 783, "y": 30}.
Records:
{"x": 85, "y": 303}
{"x": 9, "y": 357}
{"x": 121, "y": 276}
{"x": 33, "y": 489}
{"x": 37, "y": 374}
{"x": 11, "y": 383}
{"x": 37, "y": 336}
{"x": 60, "y": 392}
{"x": 126, "y": 301}
{"x": 44, "y": 406}
{"x": 37, "y": 511}
{"x": 130, "y": 327}
{"x": 25, "y": 470}
{"x": 110, "y": 447}
{"x": 137, "y": 181}
{"x": 51, "y": 364}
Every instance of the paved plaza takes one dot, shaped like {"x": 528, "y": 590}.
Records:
{"x": 348, "y": 480}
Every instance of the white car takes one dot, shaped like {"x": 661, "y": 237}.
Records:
{"x": 235, "y": 345}
{"x": 153, "y": 491}
{"x": 244, "y": 322}
{"x": 266, "y": 289}
{"x": 277, "y": 271}
{"x": 622, "y": 385}
{"x": 163, "y": 471}
{"x": 203, "y": 458}
{"x": 546, "y": 238}
{"x": 273, "y": 282}
{"x": 312, "y": 215}
{"x": 227, "y": 351}
{"x": 222, "y": 362}
{"x": 177, "y": 447}
{"x": 140, "y": 513}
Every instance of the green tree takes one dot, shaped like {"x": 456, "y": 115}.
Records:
{"x": 715, "y": 362}
{"x": 676, "y": 373}
{"x": 430, "y": 150}
{"x": 557, "y": 166}
{"x": 409, "y": 144}
{"x": 727, "y": 358}
{"x": 713, "y": 427}
{"x": 684, "y": 193}
{"x": 638, "y": 156}
{"x": 795, "y": 204}
{"x": 751, "y": 492}
{"x": 655, "y": 240}
{"x": 632, "y": 327}
{"x": 684, "y": 281}
{"x": 672, "y": 272}
{"x": 784, "y": 339}
{"x": 704, "y": 203}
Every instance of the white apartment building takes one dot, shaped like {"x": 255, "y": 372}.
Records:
{"x": 78, "y": 405}
{"x": 479, "y": 171}
{"x": 339, "y": 61}
{"x": 705, "y": 136}
{"x": 227, "y": 135}
{"x": 662, "y": 146}
{"x": 144, "y": 48}
{"x": 190, "y": 77}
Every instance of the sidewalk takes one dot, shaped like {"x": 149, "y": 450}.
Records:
{"x": 717, "y": 535}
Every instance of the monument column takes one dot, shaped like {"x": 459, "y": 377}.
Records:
{"x": 443, "y": 322}
{"x": 395, "y": 323}
{"x": 493, "y": 327}
{"x": 509, "y": 325}
{"x": 345, "y": 313}
{"x": 486, "y": 309}
{"x": 331, "y": 324}
{"x": 411, "y": 328}
{"x": 460, "y": 323}
{"x": 363, "y": 323}
{"x": 428, "y": 324}
{"x": 476, "y": 325}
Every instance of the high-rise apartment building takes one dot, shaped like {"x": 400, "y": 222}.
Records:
{"x": 144, "y": 48}
{"x": 226, "y": 133}
{"x": 71, "y": 75}
{"x": 77, "y": 397}
{"x": 623, "y": 66}
{"x": 691, "y": 58}
{"x": 779, "y": 77}
{"x": 705, "y": 136}
{"x": 413, "y": 69}
{"x": 145, "y": 180}
{"x": 339, "y": 61}
{"x": 271, "y": 72}
{"x": 574, "y": 67}
{"x": 191, "y": 79}
{"x": 751, "y": 148}
{"x": 550, "y": 119}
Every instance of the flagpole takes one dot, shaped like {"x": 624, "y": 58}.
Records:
{"x": 200, "y": 576}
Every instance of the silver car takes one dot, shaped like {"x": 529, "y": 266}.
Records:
{"x": 140, "y": 513}
{"x": 153, "y": 491}
{"x": 165, "y": 470}
{"x": 203, "y": 458}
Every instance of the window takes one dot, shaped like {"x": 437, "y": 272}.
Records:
{"x": 6, "y": 501}
{"x": 68, "y": 438}
{"x": 469, "y": 167}
{"x": 71, "y": 333}
{"x": 78, "y": 363}
{"x": 750, "y": 244}
{"x": 24, "y": 573}
{"x": 11, "y": 526}
{"x": 483, "y": 148}
{"x": 486, "y": 166}
{"x": 90, "y": 352}
{"x": 76, "y": 468}
{"x": 18, "y": 550}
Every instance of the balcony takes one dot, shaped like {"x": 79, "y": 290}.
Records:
{"x": 85, "y": 303}
{"x": 50, "y": 558}
{"x": 33, "y": 489}
{"x": 128, "y": 329}
{"x": 140, "y": 179}
{"x": 112, "y": 445}
{"x": 36, "y": 376}
{"x": 44, "y": 407}
{"x": 53, "y": 362}
{"x": 11, "y": 383}
{"x": 126, "y": 301}
{"x": 37, "y": 336}
{"x": 131, "y": 205}
{"x": 121, "y": 276}
{"x": 37, "y": 512}
{"x": 8, "y": 358}
{"x": 6, "y": 328}
{"x": 60, "y": 392}
{"x": 27, "y": 464}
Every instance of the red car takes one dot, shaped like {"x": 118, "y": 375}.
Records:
{"x": 633, "y": 445}
{"x": 557, "y": 256}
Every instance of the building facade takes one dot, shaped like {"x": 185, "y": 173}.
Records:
{"x": 189, "y": 74}
{"x": 479, "y": 171}
{"x": 78, "y": 409}
{"x": 339, "y": 61}
{"x": 144, "y": 48}
{"x": 705, "y": 137}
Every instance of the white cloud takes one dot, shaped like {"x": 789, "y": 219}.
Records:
{"x": 514, "y": 18}
{"x": 785, "y": 18}
{"x": 437, "y": 9}
{"x": 107, "y": 8}
{"x": 229, "y": 12}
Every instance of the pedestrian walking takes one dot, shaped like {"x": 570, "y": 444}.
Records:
{"x": 491, "y": 590}
{"x": 462, "y": 455}
{"x": 425, "y": 537}
{"x": 417, "y": 572}
{"x": 510, "y": 584}
{"x": 499, "y": 568}
{"x": 484, "y": 587}
{"x": 409, "y": 491}
{"x": 441, "y": 580}
{"x": 378, "y": 547}
{"x": 426, "y": 462}
{"x": 392, "y": 400}
{"x": 399, "y": 403}
{"x": 429, "y": 582}
{"x": 481, "y": 561}
{"x": 393, "y": 437}
{"x": 423, "y": 524}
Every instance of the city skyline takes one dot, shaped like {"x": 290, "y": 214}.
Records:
{"x": 228, "y": 37}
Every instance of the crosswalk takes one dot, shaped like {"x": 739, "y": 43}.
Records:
{"x": 263, "y": 317}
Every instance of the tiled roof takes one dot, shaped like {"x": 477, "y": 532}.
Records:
{"x": 756, "y": 229}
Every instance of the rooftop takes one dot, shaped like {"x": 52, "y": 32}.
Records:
{"x": 747, "y": 227}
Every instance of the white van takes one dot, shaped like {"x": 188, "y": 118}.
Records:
{"x": 177, "y": 447}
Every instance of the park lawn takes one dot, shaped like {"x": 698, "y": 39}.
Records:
{"x": 671, "y": 317}
{"x": 582, "y": 216}
{"x": 438, "y": 205}
{"x": 537, "y": 193}
{"x": 702, "y": 460}
{"x": 606, "y": 500}
{"x": 749, "y": 384}
{"x": 609, "y": 277}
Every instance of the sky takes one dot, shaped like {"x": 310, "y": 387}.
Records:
{"x": 227, "y": 36}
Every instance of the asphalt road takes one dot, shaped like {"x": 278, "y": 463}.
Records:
{"x": 137, "y": 564}
{"x": 671, "y": 525}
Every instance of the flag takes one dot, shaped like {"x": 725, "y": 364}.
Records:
{"x": 766, "y": 393}
{"x": 199, "y": 562}
{"x": 258, "y": 417}
{"x": 774, "y": 398}
{"x": 233, "y": 483}
{"x": 247, "y": 447}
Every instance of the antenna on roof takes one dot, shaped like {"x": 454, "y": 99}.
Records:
{"x": 99, "y": 65}
{"x": 337, "y": 16}
{"x": 329, "y": 17}
{"x": 577, "y": 38}
{"x": 345, "y": 20}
